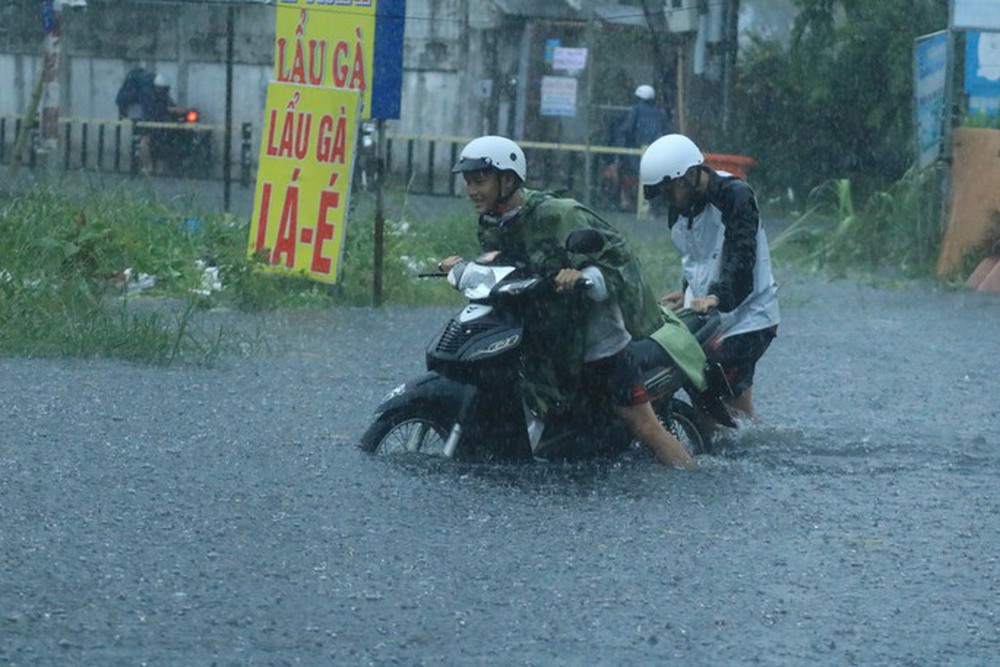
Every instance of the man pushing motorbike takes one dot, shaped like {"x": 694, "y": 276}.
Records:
{"x": 577, "y": 340}
{"x": 715, "y": 224}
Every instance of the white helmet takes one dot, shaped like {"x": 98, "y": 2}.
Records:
{"x": 668, "y": 157}
{"x": 645, "y": 92}
{"x": 160, "y": 81}
{"x": 492, "y": 151}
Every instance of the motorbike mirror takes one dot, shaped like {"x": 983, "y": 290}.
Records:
{"x": 585, "y": 242}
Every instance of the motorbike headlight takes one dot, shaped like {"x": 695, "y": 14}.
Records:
{"x": 515, "y": 287}
{"x": 477, "y": 280}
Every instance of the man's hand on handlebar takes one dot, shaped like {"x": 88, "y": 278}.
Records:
{"x": 568, "y": 279}
{"x": 705, "y": 304}
{"x": 673, "y": 301}
{"x": 446, "y": 264}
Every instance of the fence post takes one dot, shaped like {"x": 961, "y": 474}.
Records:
{"x": 133, "y": 167}
{"x": 100, "y": 147}
{"x": 409, "y": 161}
{"x": 451, "y": 176}
{"x": 83, "y": 144}
{"x": 118, "y": 148}
{"x": 246, "y": 132}
{"x": 388, "y": 158}
{"x": 66, "y": 148}
{"x": 430, "y": 166}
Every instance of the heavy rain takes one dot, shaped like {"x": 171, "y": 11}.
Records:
{"x": 210, "y": 313}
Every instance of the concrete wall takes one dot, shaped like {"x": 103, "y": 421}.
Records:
{"x": 100, "y": 44}
{"x": 450, "y": 48}
{"x": 187, "y": 44}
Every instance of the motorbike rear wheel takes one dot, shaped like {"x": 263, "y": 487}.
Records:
{"x": 405, "y": 431}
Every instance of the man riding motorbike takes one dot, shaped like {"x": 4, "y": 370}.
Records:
{"x": 576, "y": 340}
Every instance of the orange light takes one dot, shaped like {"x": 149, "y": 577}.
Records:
{"x": 192, "y": 116}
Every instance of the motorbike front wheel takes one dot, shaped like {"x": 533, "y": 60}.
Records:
{"x": 405, "y": 431}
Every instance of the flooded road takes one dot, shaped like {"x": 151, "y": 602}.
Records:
{"x": 223, "y": 516}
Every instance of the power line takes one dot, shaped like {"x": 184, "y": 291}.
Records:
{"x": 624, "y": 16}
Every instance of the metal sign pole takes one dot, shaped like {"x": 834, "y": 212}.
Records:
{"x": 379, "y": 215}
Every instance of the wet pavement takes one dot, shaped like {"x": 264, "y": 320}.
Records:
{"x": 224, "y": 516}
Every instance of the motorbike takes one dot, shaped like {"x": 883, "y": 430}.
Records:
{"x": 184, "y": 146}
{"x": 467, "y": 404}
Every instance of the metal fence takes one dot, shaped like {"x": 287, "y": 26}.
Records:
{"x": 187, "y": 150}
{"x": 423, "y": 164}
{"x": 419, "y": 163}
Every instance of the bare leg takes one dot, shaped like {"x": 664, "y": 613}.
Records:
{"x": 145, "y": 154}
{"x": 743, "y": 404}
{"x": 646, "y": 427}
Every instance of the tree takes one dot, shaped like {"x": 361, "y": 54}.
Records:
{"x": 837, "y": 101}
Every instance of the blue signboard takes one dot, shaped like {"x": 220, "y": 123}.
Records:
{"x": 48, "y": 16}
{"x": 930, "y": 64}
{"x": 982, "y": 71}
{"x": 390, "y": 17}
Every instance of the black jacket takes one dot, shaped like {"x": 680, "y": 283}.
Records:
{"x": 741, "y": 219}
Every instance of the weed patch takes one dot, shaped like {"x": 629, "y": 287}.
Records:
{"x": 895, "y": 229}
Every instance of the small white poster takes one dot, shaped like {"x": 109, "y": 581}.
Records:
{"x": 569, "y": 59}
{"x": 558, "y": 96}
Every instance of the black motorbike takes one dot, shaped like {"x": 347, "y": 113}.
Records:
{"x": 184, "y": 146}
{"x": 468, "y": 404}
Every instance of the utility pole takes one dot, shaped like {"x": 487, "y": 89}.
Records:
{"x": 46, "y": 89}
{"x": 52, "y": 20}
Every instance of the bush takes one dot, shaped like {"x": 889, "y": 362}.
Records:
{"x": 894, "y": 228}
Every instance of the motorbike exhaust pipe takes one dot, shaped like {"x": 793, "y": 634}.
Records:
{"x": 451, "y": 444}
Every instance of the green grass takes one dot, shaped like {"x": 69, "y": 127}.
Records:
{"x": 63, "y": 262}
{"x": 62, "y": 265}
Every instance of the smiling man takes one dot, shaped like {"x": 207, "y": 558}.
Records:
{"x": 573, "y": 341}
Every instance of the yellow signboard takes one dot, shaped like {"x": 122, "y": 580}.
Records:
{"x": 327, "y": 44}
{"x": 303, "y": 183}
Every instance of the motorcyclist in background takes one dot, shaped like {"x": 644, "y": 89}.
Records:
{"x": 162, "y": 109}
{"x": 145, "y": 96}
{"x": 577, "y": 340}
{"x": 715, "y": 224}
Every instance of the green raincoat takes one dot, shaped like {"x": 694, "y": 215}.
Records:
{"x": 555, "y": 326}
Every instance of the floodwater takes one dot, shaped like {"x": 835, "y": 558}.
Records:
{"x": 224, "y": 516}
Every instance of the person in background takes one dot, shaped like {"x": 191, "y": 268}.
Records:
{"x": 642, "y": 125}
{"x": 715, "y": 224}
{"x": 161, "y": 108}
{"x": 145, "y": 96}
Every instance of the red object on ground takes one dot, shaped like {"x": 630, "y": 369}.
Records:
{"x": 991, "y": 282}
{"x": 737, "y": 165}
{"x": 983, "y": 270}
